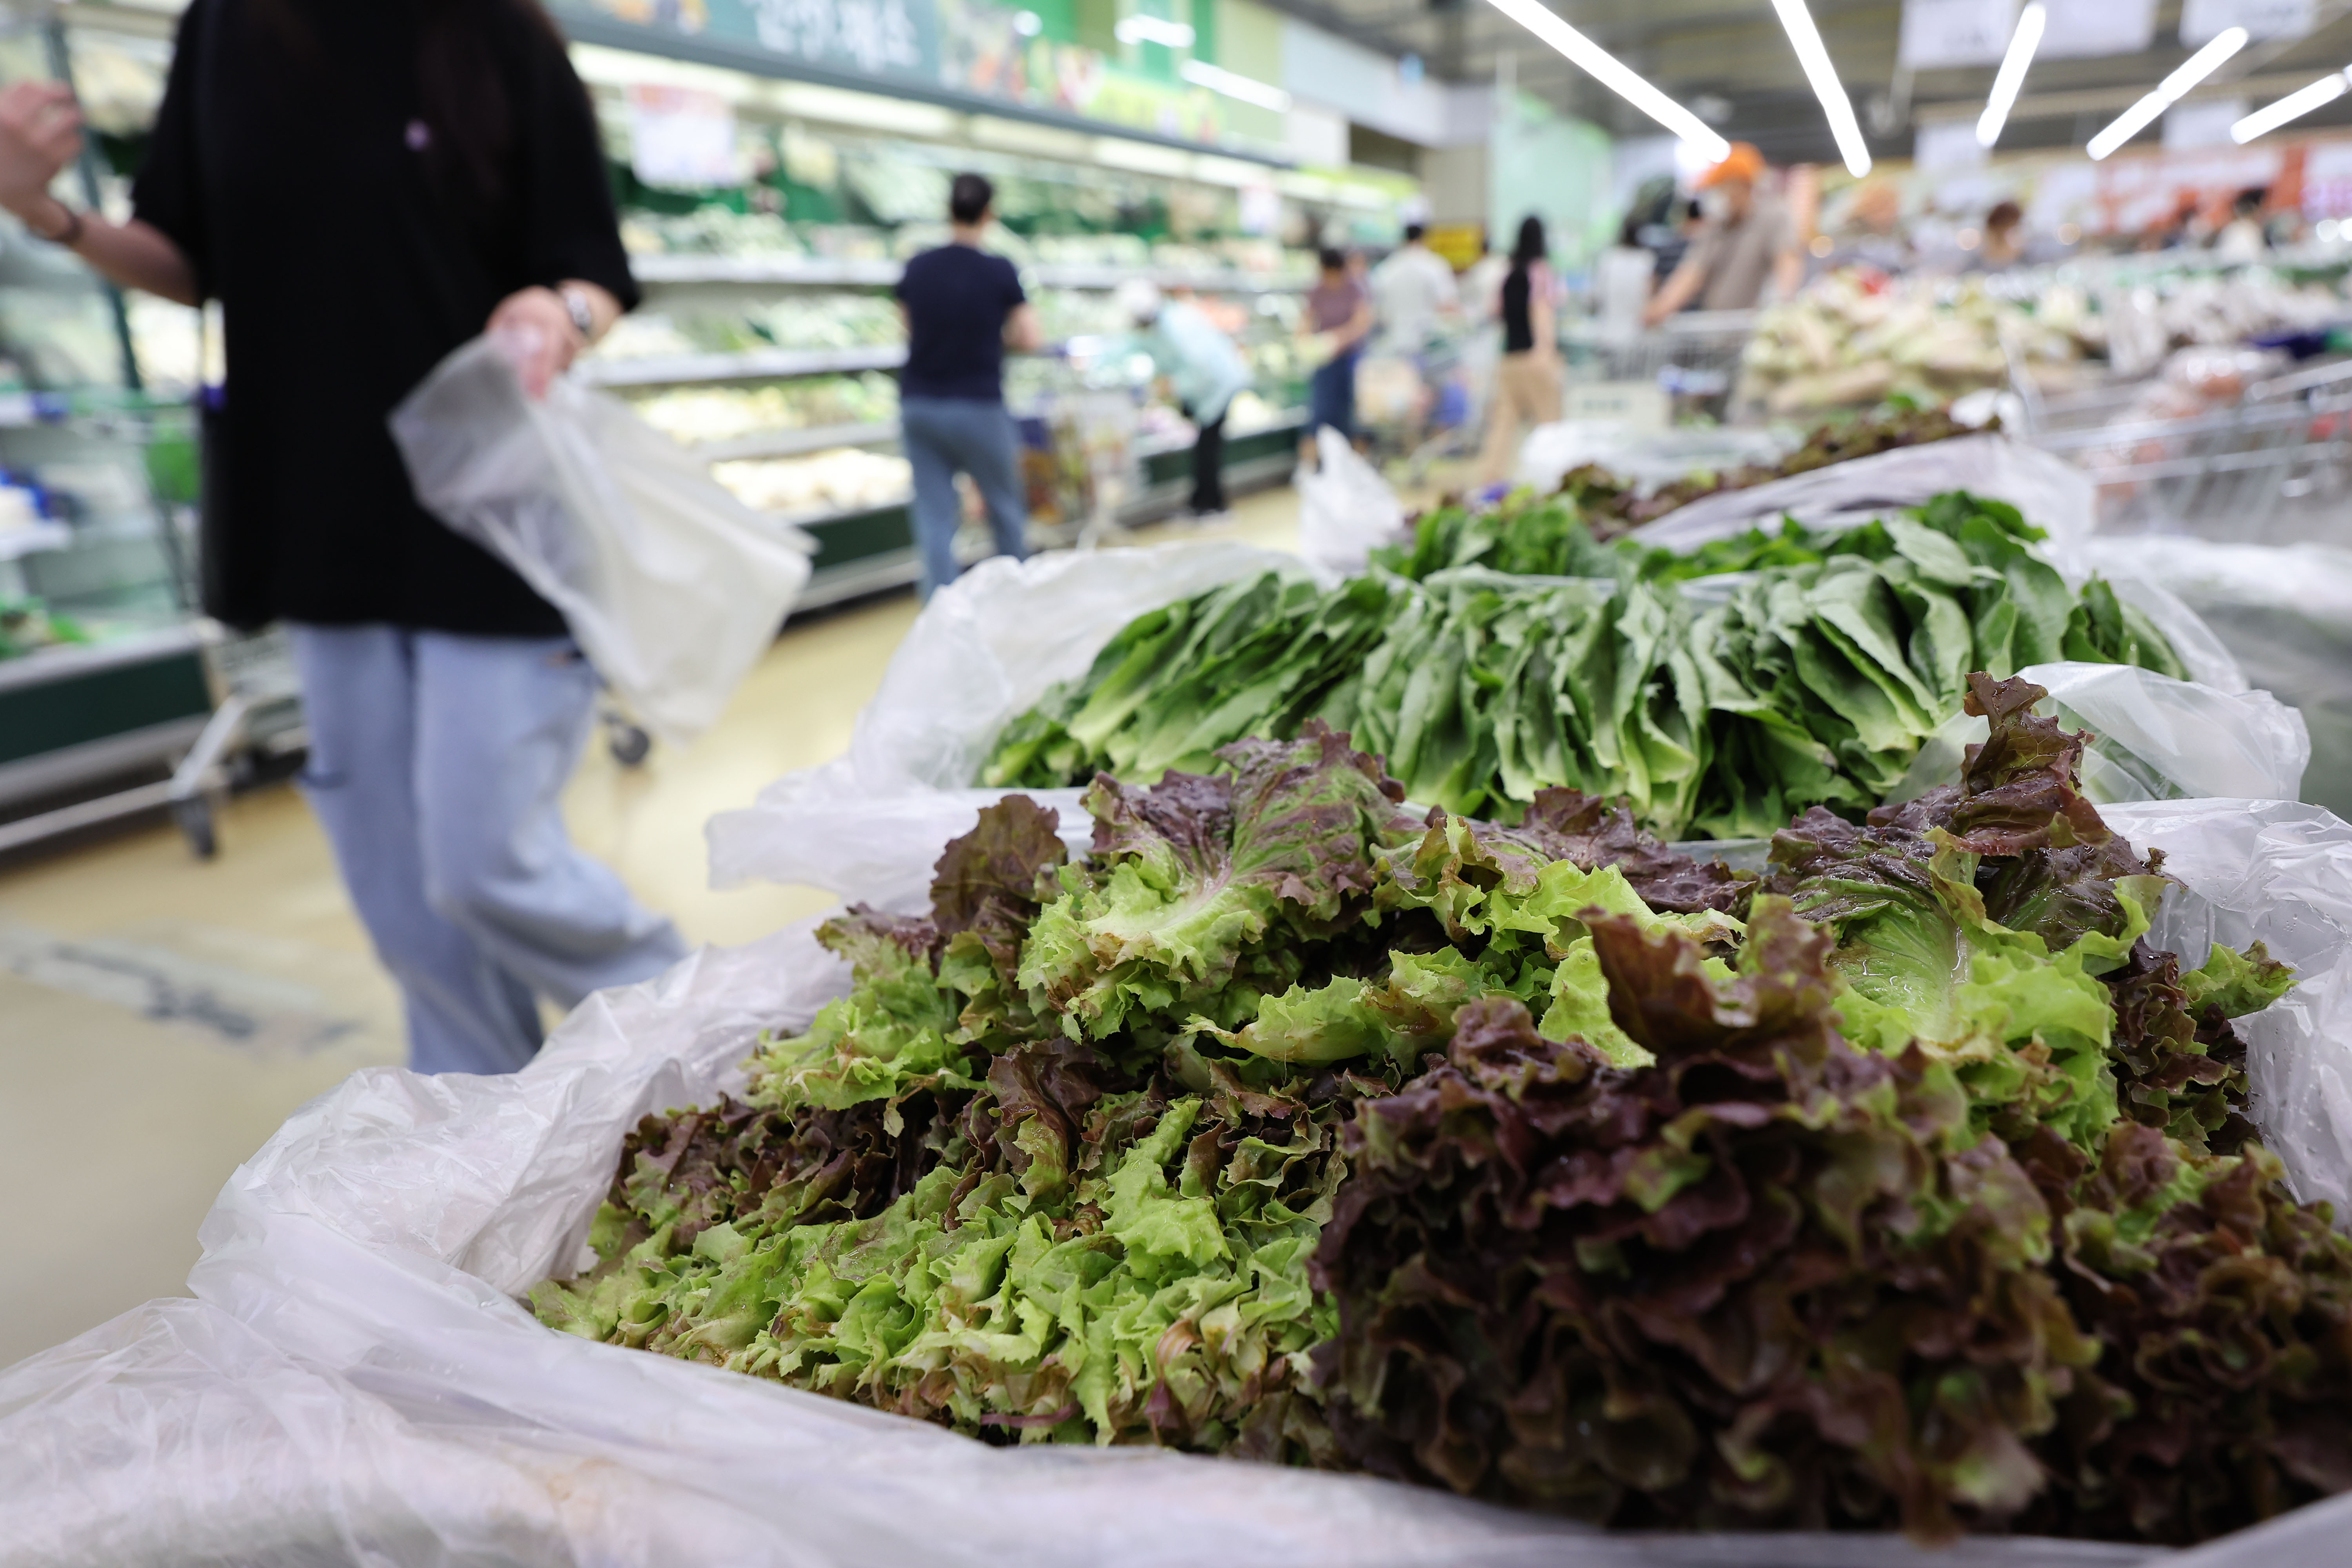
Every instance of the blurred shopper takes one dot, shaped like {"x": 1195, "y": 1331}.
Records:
{"x": 1871, "y": 232}
{"x": 1414, "y": 291}
{"x": 1338, "y": 318}
{"x": 1621, "y": 279}
{"x": 1746, "y": 242}
{"x": 2004, "y": 239}
{"x": 364, "y": 188}
{"x": 1526, "y": 383}
{"x": 965, "y": 307}
{"x": 1481, "y": 284}
{"x": 2242, "y": 239}
{"x": 1205, "y": 371}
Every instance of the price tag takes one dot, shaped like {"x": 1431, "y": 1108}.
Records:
{"x": 2085, "y": 29}
{"x": 1939, "y": 33}
{"x": 681, "y": 137}
{"x": 2201, "y": 20}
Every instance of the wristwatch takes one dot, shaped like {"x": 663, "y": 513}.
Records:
{"x": 584, "y": 314}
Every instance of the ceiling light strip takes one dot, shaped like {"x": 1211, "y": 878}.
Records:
{"x": 2293, "y": 106}
{"x": 1616, "y": 76}
{"x": 2011, "y": 74}
{"x": 2168, "y": 91}
{"x": 1811, "y": 54}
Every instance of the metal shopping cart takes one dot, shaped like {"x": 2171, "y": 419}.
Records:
{"x": 2275, "y": 462}
{"x": 1688, "y": 365}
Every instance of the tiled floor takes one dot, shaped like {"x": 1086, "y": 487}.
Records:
{"x": 160, "y": 1015}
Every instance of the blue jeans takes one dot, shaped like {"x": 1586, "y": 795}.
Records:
{"x": 943, "y": 436}
{"x": 1331, "y": 395}
{"x": 436, "y": 763}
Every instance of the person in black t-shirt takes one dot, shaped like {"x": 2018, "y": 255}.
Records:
{"x": 965, "y": 307}
{"x": 364, "y": 188}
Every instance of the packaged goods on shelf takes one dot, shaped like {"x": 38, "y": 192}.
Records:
{"x": 705, "y": 414}
{"x": 26, "y": 625}
{"x": 821, "y": 322}
{"x": 844, "y": 479}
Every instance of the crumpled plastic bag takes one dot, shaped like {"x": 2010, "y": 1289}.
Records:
{"x": 2050, "y": 492}
{"x": 2153, "y": 737}
{"x": 671, "y": 586}
{"x": 984, "y": 649}
{"x": 1346, "y": 510}
{"x": 355, "y": 1382}
{"x": 1648, "y": 457}
{"x": 2283, "y": 612}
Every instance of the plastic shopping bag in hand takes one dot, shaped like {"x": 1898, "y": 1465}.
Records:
{"x": 671, "y": 585}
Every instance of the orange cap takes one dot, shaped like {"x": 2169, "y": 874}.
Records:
{"x": 1742, "y": 162}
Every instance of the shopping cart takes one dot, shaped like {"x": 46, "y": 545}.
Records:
{"x": 256, "y": 719}
{"x": 1692, "y": 357}
{"x": 2277, "y": 459}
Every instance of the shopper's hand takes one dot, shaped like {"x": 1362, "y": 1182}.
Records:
{"x": 534, "y": 329}
{"x": 40, "y": 133}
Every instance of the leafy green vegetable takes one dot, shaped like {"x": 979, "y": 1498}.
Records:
{"x": 1810, "y": 683}
{"x": 1911, "y": 1188}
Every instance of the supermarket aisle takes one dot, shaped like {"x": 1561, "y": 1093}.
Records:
{"x": 159, "y": 1017}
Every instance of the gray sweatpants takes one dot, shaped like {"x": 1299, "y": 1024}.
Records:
{"x": 437, "y": 764}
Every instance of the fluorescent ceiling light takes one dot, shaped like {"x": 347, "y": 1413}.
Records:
{"x": 1615, "y": 75}
{"x": 2295, "y": 105}
{"x": 1153, "y": 30}
{"x": 2011, "y": 74}
{"x": 1799, "y": 23}
{"x": 1232, "y": 84}
{"x": 2168, "y": 91}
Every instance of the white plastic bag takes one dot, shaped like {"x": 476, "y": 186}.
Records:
{"x": 2051, "y": 493}
{"x": 2154, "y": 738}
{"x": 1648, "y": 457}
{"x": 2280, "y": 873}
{"x": 984, "y": 649}
{"x": 2283, "y": 611}
{"x": 1346, "y": 510}
{"x": 672, "y": 587}
{"x": 356, "y": 1383}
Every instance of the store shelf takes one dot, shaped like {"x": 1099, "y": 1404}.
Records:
{"x": 794, "y": 442}
{"x": 826, "y": 272}
{"x": 785, "y": 271}
{"x": 754, "y": 364}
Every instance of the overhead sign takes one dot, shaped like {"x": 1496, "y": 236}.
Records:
{"x": 2085, "y": 29}
{"x": 872, "y": 36}
{"x": 2202, "y": 20}
{"x": 1940, "y": 32}
{"x": 1946, "y": 144}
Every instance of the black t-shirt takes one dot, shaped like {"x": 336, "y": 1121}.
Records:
{"x": 957, "y": 299}
{"x": 1518, "y": 328}
{"x": 293, "y": 163}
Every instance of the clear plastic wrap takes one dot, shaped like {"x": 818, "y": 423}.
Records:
{"x": 2051, "y": 493}
{"x": 984, "y": 649}
{"x": 355, "y": 1382}
{"x": 2283, "y": 611}
{"x": 672, "y": 587}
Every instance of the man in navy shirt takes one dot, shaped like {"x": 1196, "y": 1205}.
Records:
{"x": 965, "y": 307}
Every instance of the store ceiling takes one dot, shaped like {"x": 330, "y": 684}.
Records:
{"x": 1734, "y": 51}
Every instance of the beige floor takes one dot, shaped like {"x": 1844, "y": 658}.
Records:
{"x": 160, "y": 1015}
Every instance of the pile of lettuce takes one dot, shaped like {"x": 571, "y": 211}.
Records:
{"x": 1908, "y": 1187}
{"x": 1716, "y": 714}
